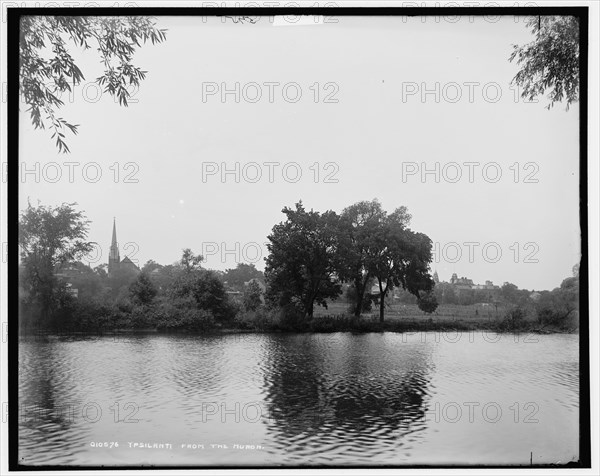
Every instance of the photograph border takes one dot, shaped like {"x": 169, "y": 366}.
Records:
{"x": 13, "y": 37}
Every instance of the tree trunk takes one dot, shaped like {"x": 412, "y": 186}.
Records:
{"x": 310, "y": 311}
{"x": 381, "y": 301}
{"x": 358, "y": 308}
{"x": 360, "y": 294}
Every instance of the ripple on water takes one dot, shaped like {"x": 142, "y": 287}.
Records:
{"x": 305, "y": 399}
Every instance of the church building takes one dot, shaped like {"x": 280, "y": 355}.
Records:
{"x": 114, "y": 258}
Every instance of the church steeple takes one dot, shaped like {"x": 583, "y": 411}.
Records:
{"x": 113, "y": 257}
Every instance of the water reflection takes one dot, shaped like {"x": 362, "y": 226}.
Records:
{"x": 297, "y": 399}
{"x": 338, "y": 398}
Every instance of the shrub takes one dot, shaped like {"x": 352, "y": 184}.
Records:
{"x": 259, "y": 320}
{"x": 514, "y": 320}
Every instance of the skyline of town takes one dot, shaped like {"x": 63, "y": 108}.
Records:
{"x": 463, "y": 282}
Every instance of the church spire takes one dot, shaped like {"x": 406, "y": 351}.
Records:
{"x": 114, "y": 236}
{"x": 113, "y": 257}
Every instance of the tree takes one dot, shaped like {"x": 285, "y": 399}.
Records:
{"x": 142, "y": 291}
{"x": 49, "y": 237}
{"x": 201, "y": 287}
{"x": 252, "y": 296}
{"x": 150, "y": 266}
{"x": 102, "y": 270}
{"x": 88, "y": 282}
{"x": 383, "y": 247}
{"x": 44, "y": 78}
{"x": 551, "y": 60}
{"x": 509, "y": 293}
{"x": 352, "y": 297}
{"x": 428, "y": 302}
{"x": 189, "y": 261}
{"x": 301, "y": 266}
{"x": 164, "y": 276}
{"x": 358, "y": 226}
{"x": 400, "y": 258}
{"x": 119, "y": 281}
{"x": 560, "y": 305}
{"x": 238, "y": 277}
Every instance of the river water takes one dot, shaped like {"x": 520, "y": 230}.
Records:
{"x": 298, "y": 399}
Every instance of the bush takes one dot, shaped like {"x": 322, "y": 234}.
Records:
{"x": 207, "y": 292}
{"x": 332, "y": 323}
{"x": 291, "y": 318}
{"x": 259, "y": 320}
{"x": 515, "y": 320}
{"x": 169, "y": 317}
{"x": 550, "y": 317}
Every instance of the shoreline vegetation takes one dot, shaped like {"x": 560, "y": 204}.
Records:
{"x": 269, "y": 322}
{"x": 365, "y": 328}
{"x": 363, "y": 270}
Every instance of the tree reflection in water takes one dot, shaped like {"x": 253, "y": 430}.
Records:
{"x": 346, "y": 393}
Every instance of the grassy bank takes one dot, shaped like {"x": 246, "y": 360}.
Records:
{"x": 264, "y": 324}
{"x": 165, "y": 317}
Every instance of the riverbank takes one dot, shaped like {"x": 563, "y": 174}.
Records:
{"x": 324, "y": 325}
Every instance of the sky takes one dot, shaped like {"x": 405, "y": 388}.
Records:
{"x": 383, "y": 99}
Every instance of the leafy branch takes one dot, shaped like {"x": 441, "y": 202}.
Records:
{"x": 47, "y": 69}
{"x": 550, "y": 61}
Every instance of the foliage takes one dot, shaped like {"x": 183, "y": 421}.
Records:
{"x": 190, "y": 262}
{"x": 261, "y": 319}
{"x": 119, "y": 281}
{"x": 445, "y": 293}
{"x": 309, "y": 254}
{"x": 177, "y": 315}
{"x": 90, "y": 283}
{"x": 151, "y": 266}
{"x": 163, "y": 277}
{"x": 359, "y": 224}
{"x": 301, "y": 266}
{"x": 511, "y": 294}
{"x": 142, "y": 291}
{"x": 514, "y": 320}
{"x": 560, "y": 307}
{"x": 428, "y": 302}
{"x": 47, "y": 68}
{"x": 252, "y": 299}
{"x": 381, "y": 246}
{"x": 237, "y": 278}
{"x": 551, "y": 60}
{"x": 201, "y": 287}
{"x": 49, "y": 237}
{"x": 352, "y": 296}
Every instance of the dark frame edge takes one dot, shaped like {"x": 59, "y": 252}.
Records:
{"x": 13, "y": 20}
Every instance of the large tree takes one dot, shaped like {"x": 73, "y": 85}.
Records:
{"x": 551, "y": 60}
{"x": 47, "y": 67}
{"x": 400, "y": 258}
{"x": 377, "y": 245}
{"x": 360, "y": 226}
{"x": 301, "y": 266}
{"x": 49, "y": 237}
